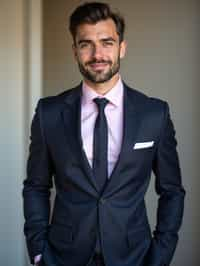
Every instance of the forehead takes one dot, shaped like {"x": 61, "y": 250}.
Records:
{"x": 102, "y": 29}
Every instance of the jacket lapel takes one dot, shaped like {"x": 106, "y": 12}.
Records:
{"x": 130, "y": 128}
{"x": 72, "y": 121}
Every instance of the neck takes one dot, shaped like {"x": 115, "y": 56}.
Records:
{"x": 103, "y": 88}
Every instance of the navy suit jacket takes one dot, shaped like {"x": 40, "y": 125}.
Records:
{"x": 79, "y": 211}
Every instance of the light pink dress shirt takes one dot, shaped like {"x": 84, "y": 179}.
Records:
{"x": 114, "y": 116}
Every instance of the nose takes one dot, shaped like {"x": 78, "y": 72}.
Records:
{"x": 97, "y": 52}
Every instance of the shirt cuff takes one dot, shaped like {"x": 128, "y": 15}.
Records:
{"x": 37, "y": 258}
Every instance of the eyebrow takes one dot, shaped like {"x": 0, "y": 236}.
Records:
{"x": 84, "y": 41}
{"x": 109, "y": 39}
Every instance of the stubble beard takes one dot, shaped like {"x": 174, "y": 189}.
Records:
{"x": 99, "y": 76}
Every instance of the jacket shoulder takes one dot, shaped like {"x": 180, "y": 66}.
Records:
{"x": 55, "y": 103}
{"x": 144, "y": 101}
{"x": 59, "y": 98}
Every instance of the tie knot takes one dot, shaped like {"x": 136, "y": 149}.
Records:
{"x": 101, "y": 103}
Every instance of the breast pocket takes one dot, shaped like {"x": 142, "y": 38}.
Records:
{"x": 140, "y": 158}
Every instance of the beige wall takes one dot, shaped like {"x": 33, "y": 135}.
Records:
{"x": 163, "y": 61}
{"x": 20, "y": 87}
{"x": 11, "y": 131}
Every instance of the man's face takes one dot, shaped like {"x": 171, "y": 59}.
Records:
{"x": 98, "y": 51}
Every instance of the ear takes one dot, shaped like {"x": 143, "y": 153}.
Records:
{"x": 74, "y": 50}
{"x": 123, "y": 46}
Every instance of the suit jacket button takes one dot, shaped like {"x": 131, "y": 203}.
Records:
{"x": 102, "y": 201}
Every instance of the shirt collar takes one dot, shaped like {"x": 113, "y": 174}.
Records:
{"x": 114, "y": 96}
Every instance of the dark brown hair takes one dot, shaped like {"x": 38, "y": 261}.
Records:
{"x": 93, "y": 12}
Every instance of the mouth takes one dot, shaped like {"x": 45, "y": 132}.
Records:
{"x": 98, "y": 66}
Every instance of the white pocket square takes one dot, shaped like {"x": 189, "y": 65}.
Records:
{"x": 143, "y": 145}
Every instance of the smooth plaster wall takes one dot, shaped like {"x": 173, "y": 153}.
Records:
{"x": 20, "y": 87}
{"x": 11, "y": 131}
{"x": 162, "y": 61}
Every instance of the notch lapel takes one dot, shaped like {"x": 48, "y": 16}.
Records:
{"x": 130, "y": 128}
{"x": 72, "y": 121}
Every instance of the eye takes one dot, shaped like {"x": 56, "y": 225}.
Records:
{"x": 83, "y": 45}
{"x": 108, "y": 43}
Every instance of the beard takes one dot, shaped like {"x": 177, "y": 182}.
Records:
{"x": 99, "y": 76}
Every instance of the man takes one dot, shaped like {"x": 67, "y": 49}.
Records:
{"x": 100, "y": 141}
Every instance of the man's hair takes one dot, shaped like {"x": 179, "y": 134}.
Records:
{"x": 93, "y": 12}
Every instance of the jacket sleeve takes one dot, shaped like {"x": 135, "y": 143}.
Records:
{"x": 171, "y": 193}
{"x": 36, "y": 190}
